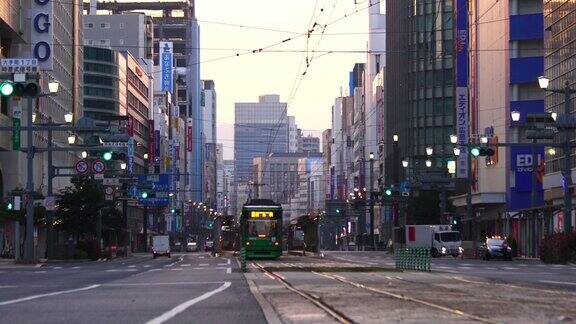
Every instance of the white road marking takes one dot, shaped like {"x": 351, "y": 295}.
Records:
{"x": 121, "y": 270}
{"x": 200, "y": 257}
{"x": 43, "y": 271}
{"x": 57, "y": 268}
{"x": 4, "y": 287}
{"x": 163, "y": 283}
{"x": 186, "y": 265}
{"x": 203, "y": 264}
{"x": 146, "y": 266}
{"x": 154, "y": 270}
{"x": 76, "y": 267}
{"x": 131, "y": 266}
{"x": 176, "y": 269}
{"x": 182, "y": 307}
{"x": 559, "y": 282}
{"x": 19, "y": 300}
{"x": 228, "y": 270}
{"x": 510, "y": 268}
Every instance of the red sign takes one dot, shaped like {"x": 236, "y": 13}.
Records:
{"x": 130, "y": 126}
{"x": 189, "y": 137}
{"x": 151, "y": 141}
{"x": 81, "y": 167}
{"x": 411, "y": 234}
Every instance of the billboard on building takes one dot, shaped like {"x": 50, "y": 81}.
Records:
{"x": 521, "y": 168}
{"x": 462, "y": 87}
{"x": 166, "y": 60}
{"x": 41, "y": 32}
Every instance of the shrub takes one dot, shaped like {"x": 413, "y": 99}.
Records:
{"x": 558, "y": 248}
{"x": 80, "y": 254}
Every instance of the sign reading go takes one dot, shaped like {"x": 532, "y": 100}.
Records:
{"x": 41, "y": 17}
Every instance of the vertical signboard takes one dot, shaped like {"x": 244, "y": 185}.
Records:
{"x": 151, "y": 141}
{"x": 462, "y": 86}
{"x": 157, "y": 147}
{"x": 189, "y": 135}
{"x": 130, "y": 154}
{"x": 41, "y": 32}
{"x": 16, "y": 123}
{"x": 166, "y": 57}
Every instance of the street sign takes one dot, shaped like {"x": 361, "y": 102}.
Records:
{"x": 19, "y": 65}
{"x": 50, "y": 203}
{"x": 98, "y": 166}
{"x": 111, "y": 182}
{"x": 115, "y": 144}
{"x": 99, "y": 176}
{"x": 134, "y": 191}
{"x": 81, "y": 167}
{"x": 153, "y": 201}
{"x": 16, "y": 123}
{"x": 109, "y": 190}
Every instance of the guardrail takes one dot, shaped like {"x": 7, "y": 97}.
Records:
{"x": 413, "y": 259}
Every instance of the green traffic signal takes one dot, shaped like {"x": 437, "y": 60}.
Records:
{"x": 7, "y": 88}
{"x": 172, "y": 210}
{"x": 107, "y": 156}
{"x": 475, "y": 151}
{"x": 144, "y": 195}
{"x": 388, "y": 192}
{"x": 454, "y": 222}
{"x": 10, "y": 206}
{"x": 337, "y": 211}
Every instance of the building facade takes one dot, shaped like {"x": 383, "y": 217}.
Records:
{"x": 260, "y": 128}
{"x": 310, "y": 144}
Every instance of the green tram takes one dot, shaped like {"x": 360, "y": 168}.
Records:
{"x": 261, "y": 229}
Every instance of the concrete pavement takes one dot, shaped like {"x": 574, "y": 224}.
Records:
{"x": 525, "y": 271}
{"x": 188, "y": 288}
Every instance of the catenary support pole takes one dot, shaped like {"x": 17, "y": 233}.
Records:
{"x": 29, "y": 248}
{"x": 567, "y": 167}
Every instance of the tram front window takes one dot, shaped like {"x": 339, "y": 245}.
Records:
{"x": 261, "y": 228}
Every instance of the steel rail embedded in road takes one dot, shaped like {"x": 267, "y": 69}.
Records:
{"x": 407, "y": 298}
{"x": 334, "y": 313}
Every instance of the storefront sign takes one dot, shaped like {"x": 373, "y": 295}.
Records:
{"x": 41, "y": 18}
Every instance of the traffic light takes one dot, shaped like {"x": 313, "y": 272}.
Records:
{"x": 107, "y": 156}
{"x": 482, "y": 151}
{"x": 118, "y": 156}
{"x": 11, "y": 89}
{"x": 10, "y": 206}
{"x": 455, "y": 222}
{"x": 173, "y": 210}
{"x": 388, "y": 192}
{"x": 337, "y": 211}
{"x": 144, "y": 195}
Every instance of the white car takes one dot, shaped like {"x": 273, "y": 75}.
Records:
{"x": 192, "y": 247}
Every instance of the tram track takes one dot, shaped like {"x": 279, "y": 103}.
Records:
{"x": 318, "y": 302}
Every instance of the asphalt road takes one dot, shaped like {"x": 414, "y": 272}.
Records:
{"x": 526, "y": 271}
{"x": 189, "y": 288}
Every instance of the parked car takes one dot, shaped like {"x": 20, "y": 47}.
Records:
{"x": 496, "y": 247}
{"x": 192, "y": 247}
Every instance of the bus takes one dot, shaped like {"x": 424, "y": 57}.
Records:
{"x": 261, "y": 229}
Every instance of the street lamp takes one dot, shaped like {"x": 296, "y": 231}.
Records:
{"x": 171, "y": 194}
{"x": 428, "y": 163}
{"x": 395, "y": 138}
{"x": 544, "y": 82}
{"x": 405, "y": 163}
{"x": 71, "y": 139}
{"x": 429, "y": 150}
{"x": 552, "y": 151}
{"x": 68, "y": 117}
{"x": 484, "y": 139}
{"x": 554, "y": 115}
{"x": 453, "y": 139}
{"x": 123, "y": 165}
{"x": 84, "y": 154}
{"x": 457, "y": 151}
{"x": 515, "y": 116}
{"x": 371, "y": 155}
{"x": 53, "y": 86}
{"x": 145, "y": 156}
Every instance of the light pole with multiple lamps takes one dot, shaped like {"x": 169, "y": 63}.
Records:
{"x": 566, "y": 123}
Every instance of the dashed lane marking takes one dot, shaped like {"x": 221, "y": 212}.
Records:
{"x": 57, "y": 268}
{"x": 151, "y": 270}
{"x": 176, "y": 269}
{"x": 42, "y": 271}
{"x": 5, "y": 287}
{"x": 163, "y": 283}
{"x": 121, "y": 270}
{"x": 203, "y": 264}
{"x": 76, "y": 267}
{"x": 182, "y": 307}
{"x": 131, "y": 266}
{"x": 19, "y": 300}
{"x": 186, "y": 265}
{"x": 146, "y": 266}
{"x": 559, "y": 282}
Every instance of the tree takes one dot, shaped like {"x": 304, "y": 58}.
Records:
{"x": 78, "y": 208}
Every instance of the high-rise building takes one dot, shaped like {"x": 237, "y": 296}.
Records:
{"x": 176, "y": 22}
{"x": 126, "y": 32}
{"x": 293, "y": 138}
{"x": 260, "y": 128}
{"x": 560, "y": 67}
{"x": 310, "y": 144}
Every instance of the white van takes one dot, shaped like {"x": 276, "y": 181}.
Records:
{"x": 160, "y": 245}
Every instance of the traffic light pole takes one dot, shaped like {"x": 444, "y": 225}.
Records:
{"x": 29, "y": 247}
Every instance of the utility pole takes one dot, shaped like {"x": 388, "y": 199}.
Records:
{"x": 371, "y": 200}
{"x": 29, "y": 248}
{"x": 50, "y": 213}
{"x": 534, "y": 196}
{"x": 469, "y": 211}
{"x": 567, "y": 167}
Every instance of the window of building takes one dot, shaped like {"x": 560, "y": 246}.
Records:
{"x": 121, "y": 41}
{"x": 89, "y": 25}
{"x": 105, "y": 25}
{"x": 121, "y": 25}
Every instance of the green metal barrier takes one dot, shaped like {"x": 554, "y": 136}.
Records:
{"x": 412, "y": 259}
{"x": 243, "y": 259}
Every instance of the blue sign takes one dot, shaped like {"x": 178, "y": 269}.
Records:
{"x": 462, "y": 86}
{"x": 520, "y": 192}
{"x": 404, "y": 187}
{"x": 157, "y": 147}
{"x": 159, "y": 201}
{"x": 166, "y": 65}
{"x": 131, "y": 145}
{"x": 160, "y": 182}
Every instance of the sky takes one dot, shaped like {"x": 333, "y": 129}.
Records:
{"x": 279, "y": 69}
